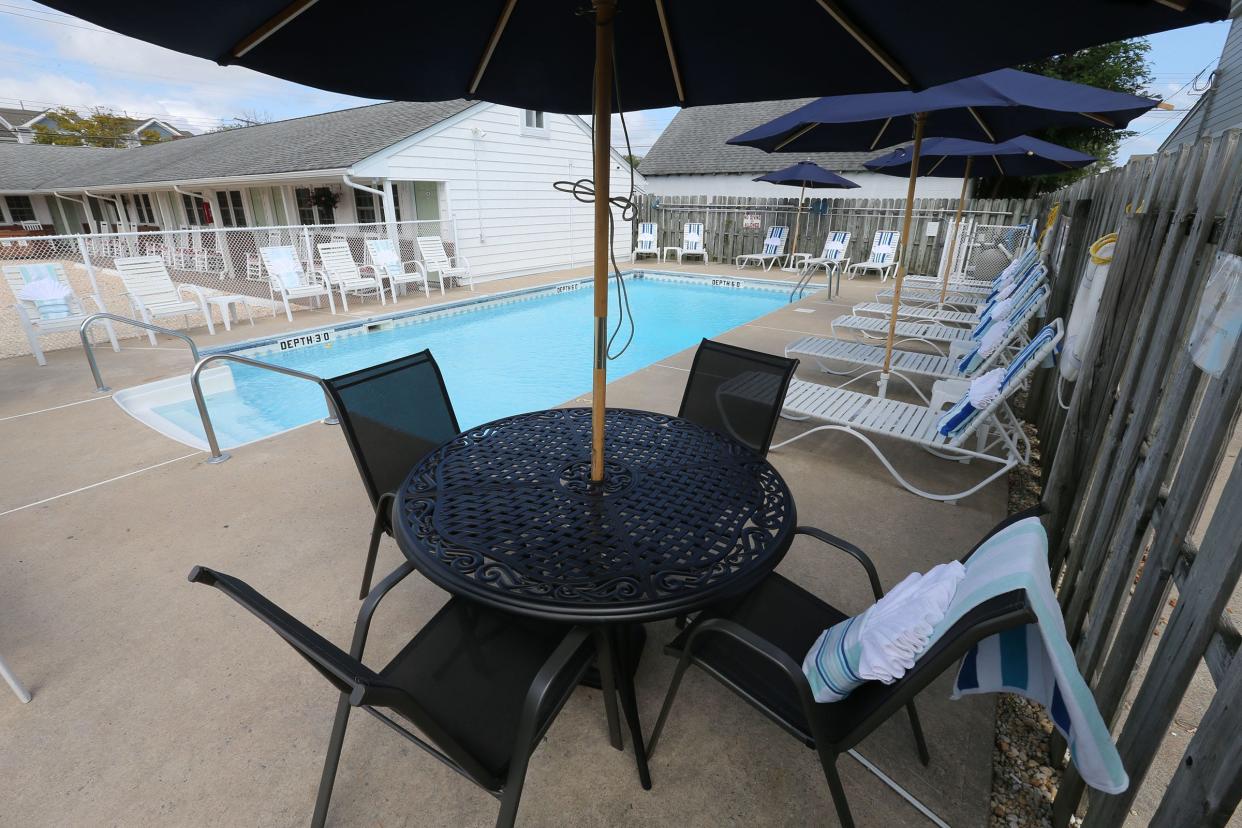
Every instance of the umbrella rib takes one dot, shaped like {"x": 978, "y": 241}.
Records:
{"x": 274, "y": 24}
{"x": 501, "y": 23}
{"x": 1100, "y": 118}
{"x": 672, "y": 56}
{"x": 795, "y": 136}
{"x": 997, "y": 162}
{"x": 867, "y": 42}
{"x": 880, "y": 134}
{"x": 982, "y": 125}
{"x": 939, "y": 161}
{"x": 1176, "y": 5}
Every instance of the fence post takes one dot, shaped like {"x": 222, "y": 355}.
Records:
{"x": 85, "y": 253}
{"x": 310, "y": 250}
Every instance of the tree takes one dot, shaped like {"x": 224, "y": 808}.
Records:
{"x": 1121, "y": 67}
{"x": 99, "y": 128}
{"x": 634, "y": 160}
{"x": 247, "y": 118}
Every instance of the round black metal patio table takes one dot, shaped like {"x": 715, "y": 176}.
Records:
{"x": 506, "y": 514}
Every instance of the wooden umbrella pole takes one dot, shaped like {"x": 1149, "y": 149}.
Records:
{"x": 797, "y": 225}
{"x": 957, "y": 223}
{"x": 919, "y": 121}
{"x": 604, "y": 12}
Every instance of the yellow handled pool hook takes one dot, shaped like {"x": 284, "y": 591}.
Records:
{"x": 1052, "y": 218}
{"x": 1094, "y": 251}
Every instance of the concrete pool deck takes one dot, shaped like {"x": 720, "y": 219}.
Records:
{"x": 160, "y": 703}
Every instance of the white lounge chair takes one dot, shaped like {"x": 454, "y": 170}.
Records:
{"x": 968, "y": 287}
{"x": 692, "y": 243}
{"x": 963, "y": 360}
{"x": 773, "y": 249}
{"x": 153, "y": 294}
{"x": 882, "y": 258}
{"x": 287, "y": 276}
{"x": 910, "y": 312}
{"x": 343, "y": 273}
{"x": 47, "y": 316}
{"x": 998, "y": 432}
{"x": 388, "y": 265}
{"x": 832, "y": 258}
{"x": 31, "y": 225}
{"x": 1029, "y": 282}
{"x": 647, "y": 242}
{"x": 875, "y": 327}
{"x": 437, "y": 261}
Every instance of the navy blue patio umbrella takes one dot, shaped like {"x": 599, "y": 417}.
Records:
{"x": 577, "y": 56}
{"x": 806, "y": 174}
{"x": 992, "y": 107}
{"x": 953, "y": 158}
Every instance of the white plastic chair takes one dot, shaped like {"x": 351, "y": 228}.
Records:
{"x": 152, "y": 293}
{"x": 882, "y": 258}
{"x": 287, "y": 276}
{"x": 388, "y": 265}
{"x": 342, "y": 272}
{"x": 436, "y": 260}
{"x": 692, "y": 243}
{"x": 646, "y": 243}
{"x": 46, "y": 317}
{"x": 31, "y": 225}
{"x": 773, "y": 249}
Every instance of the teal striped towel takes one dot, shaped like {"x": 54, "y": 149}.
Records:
{"x": 1036, "y": 660}
{"x": 56, "y": 304}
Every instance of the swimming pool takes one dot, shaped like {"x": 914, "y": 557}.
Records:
{"x": 520, "y": 352}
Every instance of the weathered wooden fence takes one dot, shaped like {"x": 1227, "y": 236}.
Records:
{"x": 727, "y": 236}
{"x": 1130, "y": 452}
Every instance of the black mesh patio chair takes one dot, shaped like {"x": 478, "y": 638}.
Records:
{"x": 479, "y": 687}
{"x": 737, "y": 392}
{"x": 392, "y": 415}
{"x": 756, "y": 645}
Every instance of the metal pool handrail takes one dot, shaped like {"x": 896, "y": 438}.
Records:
{"x": 218, "y": 456}
{"x": 100, "y": 388}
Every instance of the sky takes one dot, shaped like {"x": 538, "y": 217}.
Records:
{"x": 50, "y": 59}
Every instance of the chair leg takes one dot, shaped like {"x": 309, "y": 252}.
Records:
{"x": 330, "y": 762}
{"x": 674, "y": 685}
{"x": 512, "y": 796}
{"x": 377, "y": 530}
{"x": 838, "y": 791}
{"x": 919, "y": 741}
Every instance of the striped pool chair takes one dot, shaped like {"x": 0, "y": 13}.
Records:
{"x": 882, "y": 258}
{"x": 646, "y": 243}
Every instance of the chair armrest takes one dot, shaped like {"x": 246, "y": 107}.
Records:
{"x": 536, "y": 696}
{"x": 461, "y": 261}
{"x": 851, "y": 550}
{"x": 760, "y": 646}
{"x": 197, "y": 291}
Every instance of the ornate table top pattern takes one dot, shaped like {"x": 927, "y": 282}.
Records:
{"x": 506, "y": 513}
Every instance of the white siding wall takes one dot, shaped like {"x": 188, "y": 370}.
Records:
{"x": 870, "y": 185}
{"x": 499, "y": 186}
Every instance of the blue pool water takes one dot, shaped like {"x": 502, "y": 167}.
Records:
{"x": 497, "y": 359}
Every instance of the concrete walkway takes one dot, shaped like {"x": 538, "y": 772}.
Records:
{"x": 158, "y": 703}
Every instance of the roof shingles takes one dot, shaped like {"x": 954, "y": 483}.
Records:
{"x": 334, "y": 140}
{"x": 694, "y": 143}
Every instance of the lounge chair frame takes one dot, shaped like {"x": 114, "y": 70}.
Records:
{"x": 772, "y": 252}
{"x": 153, "y": 294}
{"x": 35, "y": 325}
{"x": 311, "y": 283}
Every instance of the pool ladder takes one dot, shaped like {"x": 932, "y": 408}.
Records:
{"x": 804, "y": 282}
{"x": 217, "y": 456}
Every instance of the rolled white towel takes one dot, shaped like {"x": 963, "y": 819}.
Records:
{"x": 992, "y": 338}
{"x": 896, "y": 630}
{"x": 984, "y": 388}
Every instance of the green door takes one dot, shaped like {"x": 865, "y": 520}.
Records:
{"x": 426, "y": 201}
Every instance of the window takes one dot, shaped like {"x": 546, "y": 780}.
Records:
{"x": 20, "y": 208}
{"x": 364, "y": 207}
{"x": 316, "y": 206}
{"x": 367, "y": 206}
{"x": 140, "y": 208}
{"x": 231, "y": 212}
{"x": 197, "y": 211}
{"x": 534, "y": 122}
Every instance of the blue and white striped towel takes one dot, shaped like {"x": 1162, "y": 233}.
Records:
{"x": 1036, "y": 660}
